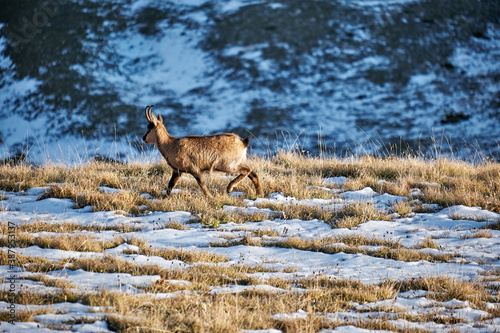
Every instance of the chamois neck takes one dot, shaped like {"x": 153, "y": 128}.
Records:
{"x": 162, "y": 136}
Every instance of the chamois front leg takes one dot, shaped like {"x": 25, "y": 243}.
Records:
{"x": 176, "y": 175}
{"x": 201, "y": 181}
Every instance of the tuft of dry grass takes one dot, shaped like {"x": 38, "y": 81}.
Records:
{"x": 24, "y": 316}
{"x": 347, "y": 216}
{"x": 127, "y": 201}
{"x": 403, "y": 208}
{"x": 428, "y": 243}
{"x": 67, "y": 227}
{"x": 444, "y": 288}
{"x": 51, "y": 282}
{"x": 346, "y": 244}
{"x": 178, "y": 254}
{"x": 480, "y": 233}
{"x": 352, "y": 215}
{"x": 175, "y": 225}
{"x": 81, "y": 243}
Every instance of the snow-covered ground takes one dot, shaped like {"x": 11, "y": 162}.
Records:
{"x": 474, "y": 258}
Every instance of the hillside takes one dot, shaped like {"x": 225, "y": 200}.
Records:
{"x": 339, "y": 245}
{"x": 360, "y": 75}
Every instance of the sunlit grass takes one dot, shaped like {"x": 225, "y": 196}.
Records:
{"x": 357, "y": 244}
{"x": 193, "y": 306}
{"x": 443, "y": 182}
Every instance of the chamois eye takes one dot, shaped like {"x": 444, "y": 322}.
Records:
{"x": 150, "y": 126}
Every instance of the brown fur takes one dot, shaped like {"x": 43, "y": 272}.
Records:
{"x": 196, "y": 154}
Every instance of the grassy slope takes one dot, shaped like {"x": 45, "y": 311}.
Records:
{"x": 443, "y": 182}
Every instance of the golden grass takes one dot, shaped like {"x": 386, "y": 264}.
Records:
{"x": 348, "y": 216}
{"x": 480, "y": 233}
{"x": 347, "y": 244}
{"x": 202, "y": 311}
{"x": 428, "y": 243}
{"x": 444, "y": 182}
{"x": 82, "y": 243}
{"x": 194, "y": 308}
{"x": 88, "y": 243}
{"x": 51, "y": 282}
{"x": 24, "y": 315}
{"x": 179, "y": 254}
{"x": 67, "y": 227}
{"x": 444, "y": 288}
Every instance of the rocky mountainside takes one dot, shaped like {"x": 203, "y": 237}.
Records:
{"x": 364, "y": 76}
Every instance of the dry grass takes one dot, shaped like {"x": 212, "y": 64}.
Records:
{"x": 404, "y": 208}
{"x": 444, "y": 182}
{"x": 99, "y": 264}
{"x": 202, "y": 311}
{"x": 346, "y": 244}
{"x": 179, "y": 254}
{"x": 348, "y": 216}
{"x": 480, "y": 233}
{"x": 88, "y": 243}
{"x": 24, "y": 315}
{"x": 444, "y": 288}
{"x": 194, "y": 308}
{"x": 67, "y": 227}
{"x": 82, "y": 243}
{"x": 428, "y": 243}
{"x": 51, "y": 282}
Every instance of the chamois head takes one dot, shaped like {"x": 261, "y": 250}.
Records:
{"x": 153, "y": 123}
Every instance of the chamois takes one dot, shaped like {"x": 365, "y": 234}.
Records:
{"x": 195, "y": 154}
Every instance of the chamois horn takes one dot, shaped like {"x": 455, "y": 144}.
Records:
{"x": 149, "y": 116}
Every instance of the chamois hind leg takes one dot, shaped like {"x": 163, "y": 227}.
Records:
{"x": 255, "y": 180}
{"x": 176, "y": 175}
{"x": 201, "y": 181}
{"x": 245, "y": 170}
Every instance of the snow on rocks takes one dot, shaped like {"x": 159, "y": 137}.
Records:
{"x": 259, "y": 287}
{"x": 109, "y": 190}
{"x": 471, "y": 213}
{"x": 382, "y": 202}
{"x": 416, "y": 193}
{"x": 365, "y": 194}
{"x": 279, "y": 198}
{"x": 90, "y": 318}
{"x": 251, "y": 210}
{"x": 335, "y": 181}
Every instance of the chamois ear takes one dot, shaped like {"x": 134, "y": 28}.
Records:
{"x": 160, "y": 119}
